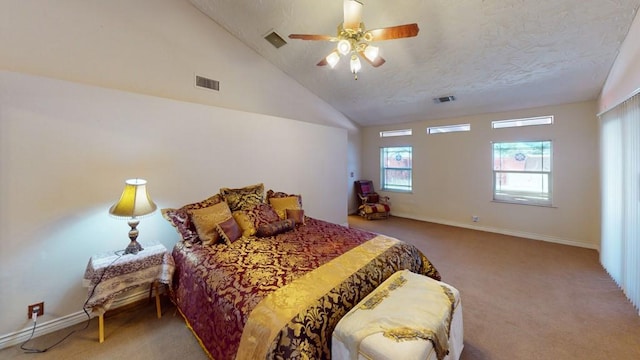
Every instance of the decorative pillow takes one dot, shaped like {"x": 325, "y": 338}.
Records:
{"x": 243, "y": 198}
{"x": 229, "y": 230}
{"x": 275, "y": 228}
{"x": 263, "y": 214}
{"x": 181, "y": 221}
{"x": 280, "y": 194}
{"x": 205, "y": 221}
{"x": 249, "y": 220}
{"x": 297, "y": 215}
{"x": 245, "y": 221}
{"x": 283, "y": 203}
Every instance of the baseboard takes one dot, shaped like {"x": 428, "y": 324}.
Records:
{"x": 50, "y": 326}
{"x": 522, "y": 234}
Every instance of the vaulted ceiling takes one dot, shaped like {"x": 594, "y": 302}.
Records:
{"x": 492, "y": 55}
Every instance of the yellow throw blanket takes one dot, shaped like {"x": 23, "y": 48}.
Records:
{"x": 405, "y": 307}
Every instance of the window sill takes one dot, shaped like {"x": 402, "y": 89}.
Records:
{"x": 524, "y": 203}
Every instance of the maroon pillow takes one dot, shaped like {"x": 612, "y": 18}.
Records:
{"x": 373, "y": 198}
{"x": 275, "y": 228}
{"x": 263, "y": 214}
{"x": 229, "y": 230}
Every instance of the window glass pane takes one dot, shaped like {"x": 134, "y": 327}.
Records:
{"x": 390, "y": 133}
{"x": 448, "y": 128}
{"x": 397, "y": 157}
{"x": 526, "y": 185}
{"x": 522, "y": 156}
{"x": 397, "y": 179}
{"x": 543, "y": 120}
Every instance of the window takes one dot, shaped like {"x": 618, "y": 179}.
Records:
{"x": 390, "y": 133}
{"x": 542, "y": 120}
{"x": 448, "y": 128}
{"x": 522, "y": 172}
{"x": 395, "y": 168}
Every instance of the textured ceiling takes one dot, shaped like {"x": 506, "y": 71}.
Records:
{"x": 492, "y": 55}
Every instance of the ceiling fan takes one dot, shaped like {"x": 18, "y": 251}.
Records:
{"x": 353, "y": 39}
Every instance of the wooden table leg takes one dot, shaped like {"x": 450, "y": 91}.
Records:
{"x": 101, "y": 328}
{"x": 158, "y": 308}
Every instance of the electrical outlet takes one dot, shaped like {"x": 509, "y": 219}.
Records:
{"x": 475, "y": 218}
{"x": 37, "y": 308}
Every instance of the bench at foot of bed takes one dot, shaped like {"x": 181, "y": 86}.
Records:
{"x": 408, "y": 316}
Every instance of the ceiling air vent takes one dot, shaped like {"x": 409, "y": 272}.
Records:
{"x": 206, "y": 83}
{"x": 444, "y": 99}
{"x": 274, "y": 39}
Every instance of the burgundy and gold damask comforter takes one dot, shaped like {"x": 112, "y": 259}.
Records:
{"x": 281, "y": 297}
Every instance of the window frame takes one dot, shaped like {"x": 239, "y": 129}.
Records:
{"x": 384, "y": 185}
{"x": 524, "y": 197}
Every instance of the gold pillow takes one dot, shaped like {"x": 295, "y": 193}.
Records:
{"x": 205, "y": 221}
{"x": 280, "y": 205}
{"x": 297, "y": 215}
{"x": 246, "y": 223}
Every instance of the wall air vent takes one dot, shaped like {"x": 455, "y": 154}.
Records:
{"x": 274, "y": 39}
{"x": 444, "y": 99}
{"x": 203, "y": 82}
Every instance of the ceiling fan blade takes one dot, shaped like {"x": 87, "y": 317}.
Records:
{"x": 311, "y": 37}
{"x": 394, "y": 32}
{"x": 375, "y": 63}
{"x": 352, "y": 14}
{"x": 322, "y": 62}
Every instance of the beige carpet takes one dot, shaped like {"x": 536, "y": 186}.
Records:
{"x": 523, "y": 299}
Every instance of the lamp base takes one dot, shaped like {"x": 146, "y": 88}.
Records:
{"x": 133, "y": 248}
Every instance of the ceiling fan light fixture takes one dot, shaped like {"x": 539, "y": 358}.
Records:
{"x": 332, "y": 59}
{"x": 355, "y": 65}
{"x": 344, "y": 46}
{"x": 371, "y": 52}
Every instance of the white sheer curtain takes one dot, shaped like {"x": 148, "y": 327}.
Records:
{"x": 620, "y": 179}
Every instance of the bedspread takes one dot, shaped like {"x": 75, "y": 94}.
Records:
{"x": 282, "y": 296}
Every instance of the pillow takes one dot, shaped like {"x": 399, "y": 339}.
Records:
{"x": 246, "y": 222}
{"x": 283, "y": 203}
{"x": 275, "y": 228}
{"x": 229, "y": 230}
{"x": 181, "y": 221}
{"x": 264, "y": 214}
{"x": 280, "y": 194}
{"x": 205, "y": 221}
{"x": 297, "y": 215}
{"x": 243, "y": 198}
{"x": 249, "y": 220}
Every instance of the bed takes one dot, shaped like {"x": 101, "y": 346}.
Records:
{"x": 275, "y": 295}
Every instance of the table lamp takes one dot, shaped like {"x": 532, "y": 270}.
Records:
{"x": 133, "y": 204}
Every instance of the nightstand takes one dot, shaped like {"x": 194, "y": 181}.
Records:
{"x": 108, "y": 275}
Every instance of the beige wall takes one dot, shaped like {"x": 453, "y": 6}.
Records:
{"x": 624, "y": 77}
{"x": 156, "y": 47}
{"x": 452, "y": 175}
{"x": 95, "y": 92}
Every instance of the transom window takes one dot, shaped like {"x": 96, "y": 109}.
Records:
{"x": 396, "y": 168}
{"x": 392, "y": 133}
{"x": 522, "y": 172}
